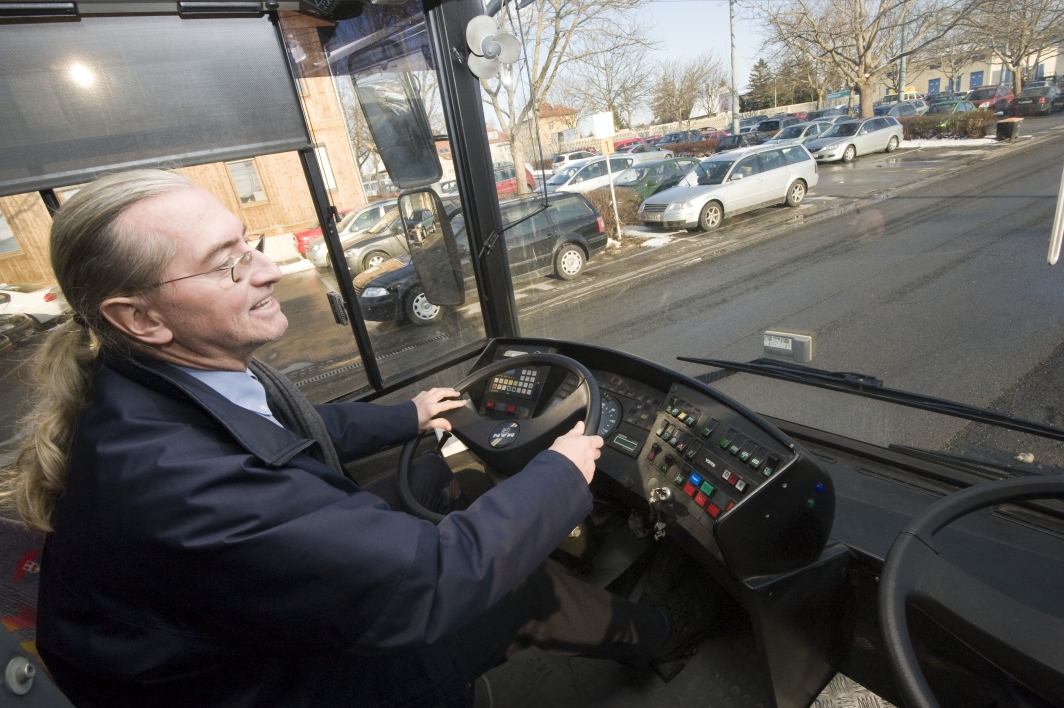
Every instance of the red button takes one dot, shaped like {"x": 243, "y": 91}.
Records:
{"x": 713, "y": 510}
{"x": 701, "y": 499}
{"x": 511, "y": 408}
{"x": 732, "y": 479}
{"x": 689, "y": 489}
{"x": 490, "y": 405}
{"x": 729, "y": 507}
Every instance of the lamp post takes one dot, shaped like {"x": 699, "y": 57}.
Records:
{"x": 734, "y": 73}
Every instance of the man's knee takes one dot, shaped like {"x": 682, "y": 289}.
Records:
{"x": 434, "y": 485}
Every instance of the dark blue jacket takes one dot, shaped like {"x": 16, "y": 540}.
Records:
{"x": 201, "y": 557}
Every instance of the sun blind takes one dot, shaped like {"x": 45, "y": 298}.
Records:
{"x": 80, "y": 99}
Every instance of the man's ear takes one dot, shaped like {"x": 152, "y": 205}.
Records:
{"x": 137, "y": 320}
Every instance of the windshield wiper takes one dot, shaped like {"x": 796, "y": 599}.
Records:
{"x": 984, "y": 468}
{"x": 871, "y": 387}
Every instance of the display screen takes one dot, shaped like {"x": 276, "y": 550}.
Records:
{"x": 516, "y": 382}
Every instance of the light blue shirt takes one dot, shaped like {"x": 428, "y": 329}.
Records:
{"x": 242, "y": 388}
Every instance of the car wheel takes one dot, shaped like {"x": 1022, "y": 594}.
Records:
{"x": 419, "y": 310}
{"x": 851, "y": 152}
{"x": 892, "y": 145}
{"x": 710, "y": 216}
{"x": 374, "y": 259}
{"x": 569, "y": 262}
{"x": 796, "y": 194}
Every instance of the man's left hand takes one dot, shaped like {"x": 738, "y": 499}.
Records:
{"x": 431, "y": 403}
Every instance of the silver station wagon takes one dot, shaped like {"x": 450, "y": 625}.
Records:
{"x": 848, "y": 140}
{"x": 731, "y": 183}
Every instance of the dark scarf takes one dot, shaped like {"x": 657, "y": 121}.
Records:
{"x": 296, "y": 413}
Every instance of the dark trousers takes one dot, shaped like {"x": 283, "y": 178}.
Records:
{"x": 549, "y": 610}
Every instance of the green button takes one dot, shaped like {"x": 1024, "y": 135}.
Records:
{"x": 664, "y": 467}
{"x": 708, "y": 489}
{"x": 674, "y": 439}
{"x": 744, "y": 455}
{"x": 706, "y": 432}
{"x": 690, "y": 455}
{"x": 755, "y": 462}
{"x": 679, "y": 480}
{"x": 725, "y": 442}
{"x": 668, "y": 409}
{"x": 767, "y": 471}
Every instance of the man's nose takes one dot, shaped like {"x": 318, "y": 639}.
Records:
{"x": 263, "y": 270}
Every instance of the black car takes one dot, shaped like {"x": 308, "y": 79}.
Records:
{"x": 559, "y": 240}
{"x": 814, "y": 116}
{"x": 682, "y": 136}
{"x": 733, "y": 142}
{"x": 18, "y": 327}
{"x": 775, "y": 125}
{"x": 1039, "y": 101}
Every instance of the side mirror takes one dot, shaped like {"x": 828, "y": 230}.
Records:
{"x": 433, "y": 249}
{"x": 736, "y": 177}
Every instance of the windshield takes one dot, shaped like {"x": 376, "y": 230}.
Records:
{"x": 843, "y": 130}
{"x": 982, "y": 93}
{"x": 713, "y": 171}
{"x": 794, "y": 131}
{"x": 938, "y": 108}
{"x": 565, "y": 175}
{"x": 631, "y": 176}
{"x": 1034, "y": 92}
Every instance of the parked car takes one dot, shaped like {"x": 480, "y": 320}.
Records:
{"x": 627, "y": 142}
{"x": 563, "y": 159}
{"x": 999, "y": 99}
{"x": 18, "y": 327}
{"x": 44, "y": 305}
{"x": 356, "y": 221}
{"x": 588, "y": 174}
{"x": 1038, "y": 84}
{"x": 920, "y": 105}
{"x": 647, "y": 152}
{"x": 305, "y": 237}
{"x": 846, "y": 141}
{"x": 714, "y": 134}
{"x": 560, "y": 239}
{"x": 729, "y": 184}
{"x": 448, "y": 187}
{"x": 652, "y": 139}
{"x": 824, "y": 113}
{"x": 898, "y": 110}
{"x": 1040, "y": 100}
{"x": 775, "y": 125}
{"x": 832, "y": 120}
{"x": 680, "y": 136}
{"x": 734, "y": 142}
{"x": 799, "y": 133}
{"x": 945, "y": 108}
{"x": 934, "y": 98}
{"x": 369, "y": 248}
{"x": 649, "y": 178}
{"x": 506, "y": 180}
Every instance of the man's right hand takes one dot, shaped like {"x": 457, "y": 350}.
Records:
{"x": 581, "y": 449}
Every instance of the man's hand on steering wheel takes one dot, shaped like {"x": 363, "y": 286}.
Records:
{"x": 581, "y": 449}
{"x": 431, "y": 403}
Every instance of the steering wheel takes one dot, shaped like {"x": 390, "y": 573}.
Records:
{"x": 508, "y": 444}
{"x": 1023, "y": 642}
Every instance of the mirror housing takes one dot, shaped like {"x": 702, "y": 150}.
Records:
{"x": 396, "y": 118}
{"x": 736, "y": 176}
{"x": 433, "y": 248}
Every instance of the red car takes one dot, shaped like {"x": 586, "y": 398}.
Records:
{"x": 506, "y": 180}
{"x": 999, "y": 99}
{"x": 717, "y": 135}
{"x": 625, "y": 143}
{"x": 305, "y": 237}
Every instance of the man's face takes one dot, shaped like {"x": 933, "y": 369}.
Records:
{"x": 215, "y": 322}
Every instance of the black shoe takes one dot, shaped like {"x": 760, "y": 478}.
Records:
{"x": 693, "y": 613}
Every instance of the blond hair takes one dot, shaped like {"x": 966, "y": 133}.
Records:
{"x": 94, "y": 256}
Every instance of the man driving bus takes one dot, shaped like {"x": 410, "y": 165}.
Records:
{"x": 204, "y": 544}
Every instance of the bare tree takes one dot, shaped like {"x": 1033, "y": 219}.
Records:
{"x": 557, "y": 33}
{"x": 863, "y": 39}
{"x": 1018, "y": 32}
{"x": 683, "y": 82}
{"x": 953, "y": 54}
{"x": 619, "y": 81}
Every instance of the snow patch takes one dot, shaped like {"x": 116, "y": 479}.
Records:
{"x": 948, "y": 142}
{"x": 656, "y": 241}
{"x": 612, "y": 243}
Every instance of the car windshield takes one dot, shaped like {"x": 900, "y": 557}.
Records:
{"x": 793, "y": 131}
{"x": 945, "y": 107}
{"x": 843, "y": 130}
{"x": 565, "y": 175}
{"x": 631, "y": 176}
{"x": 713, "y": 171}
{"x": 1034, "y": 92}
{"x": 979, "y": 94}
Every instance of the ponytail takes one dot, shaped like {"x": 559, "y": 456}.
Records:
{"x": 94, "y": 257}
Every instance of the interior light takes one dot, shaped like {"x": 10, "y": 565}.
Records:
{"x": 81, "y": 75}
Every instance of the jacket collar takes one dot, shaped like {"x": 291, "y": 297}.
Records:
{"x": 270, "y": 443}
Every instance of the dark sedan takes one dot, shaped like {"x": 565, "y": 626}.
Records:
{"x": 559, "y": 240}
{"x": 1039, "y": 101}
{"x": 733, "y": 142}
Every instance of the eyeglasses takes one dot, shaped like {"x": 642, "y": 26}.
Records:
{"x": 238, "y": 269}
